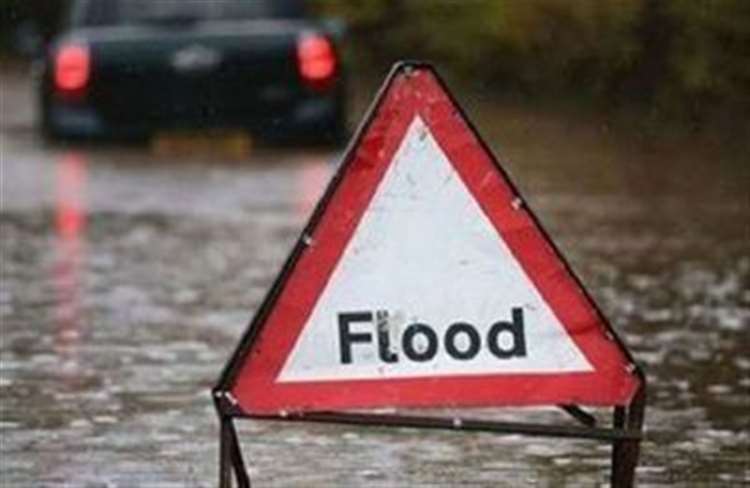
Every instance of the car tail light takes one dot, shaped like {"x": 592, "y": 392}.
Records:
{"x": 72, "y": 69}
{"x": 317, "y": 61}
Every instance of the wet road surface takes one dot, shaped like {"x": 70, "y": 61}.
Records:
{"x": 128, "y": 277}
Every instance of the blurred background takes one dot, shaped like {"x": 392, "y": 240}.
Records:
{"x": 684, "y": 63}
{"x": 130, "y": 266}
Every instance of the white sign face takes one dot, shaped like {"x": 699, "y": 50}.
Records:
{"x": 427, "y": 287}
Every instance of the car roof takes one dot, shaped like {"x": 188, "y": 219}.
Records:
{"x": 91, "y": 13}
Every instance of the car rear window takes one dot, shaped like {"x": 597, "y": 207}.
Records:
{"x": 127, "y": 12}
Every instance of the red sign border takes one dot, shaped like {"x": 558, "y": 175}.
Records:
{"x": 526, "y": 384}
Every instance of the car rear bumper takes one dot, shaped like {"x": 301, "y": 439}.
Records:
{"x": 80, "y": 120}
{"x": 74, "y": 121}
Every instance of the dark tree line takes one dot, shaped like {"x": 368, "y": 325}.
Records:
{"x": 688, "y": 59}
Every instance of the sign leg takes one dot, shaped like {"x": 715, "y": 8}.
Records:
{"x": 623, "y": 469}
{"x": 617, "y": 476}
{"x": 625, "y": 452}
{"x": 225, "y": 463}
{"x": 240, "y": 472}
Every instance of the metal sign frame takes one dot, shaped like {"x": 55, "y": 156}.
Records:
{"x": 624, "y": 433}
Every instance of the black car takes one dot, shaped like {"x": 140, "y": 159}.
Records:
{"x": 130, "y": 67}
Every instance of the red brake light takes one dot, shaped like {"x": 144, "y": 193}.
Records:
{"x": 316, "y": 60}
{"x": 72, "y": 68}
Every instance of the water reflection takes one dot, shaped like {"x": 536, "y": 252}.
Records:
{"x": 117, "y": 318}
{"x": 70, "y": 228}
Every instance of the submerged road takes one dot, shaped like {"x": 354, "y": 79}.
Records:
{"x": 129, "y": 273}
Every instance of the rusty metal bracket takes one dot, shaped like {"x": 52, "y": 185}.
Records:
{"x": 579, "y": 414}
{"x": 460, "y": 424}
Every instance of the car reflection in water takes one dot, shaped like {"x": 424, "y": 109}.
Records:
{"x": 70, "y": 228}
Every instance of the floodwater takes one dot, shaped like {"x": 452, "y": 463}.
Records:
{"x": 128, "y": 277}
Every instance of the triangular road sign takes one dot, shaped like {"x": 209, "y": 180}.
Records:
{"x": 422, "y": 280}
